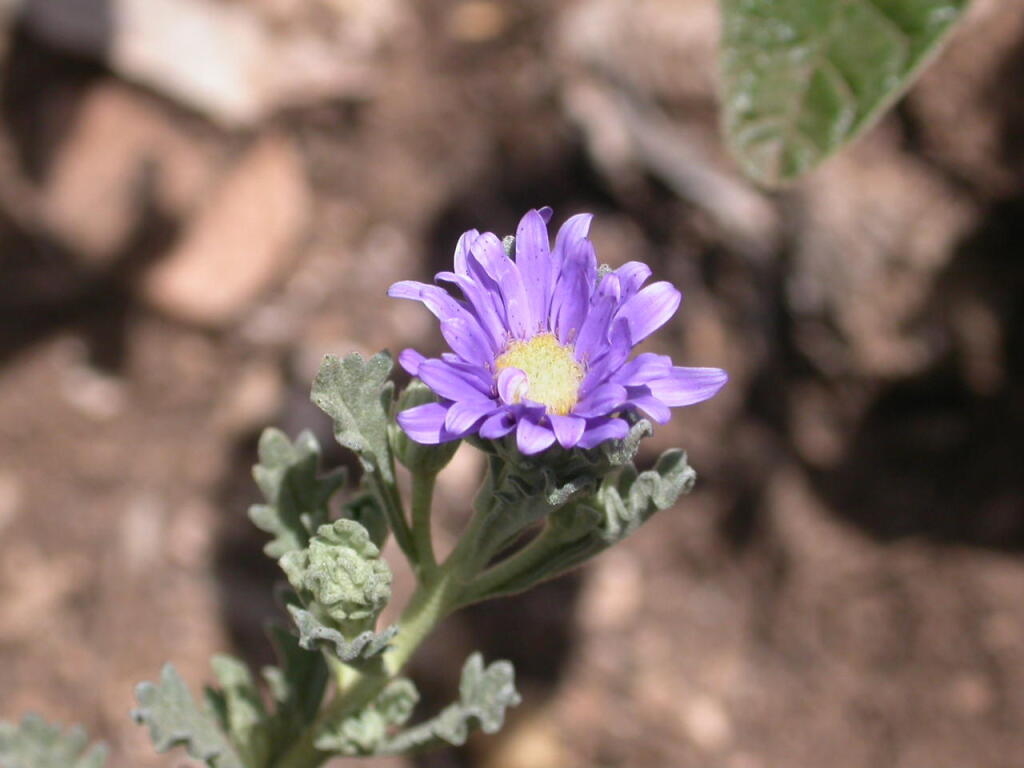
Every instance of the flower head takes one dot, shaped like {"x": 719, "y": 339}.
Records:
{"x": 541, "y": 344}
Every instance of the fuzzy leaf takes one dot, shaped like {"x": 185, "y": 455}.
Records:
{"x": 34, "y": 743}
{"x": 801, "y": 78}
{"x": 173, "y": 718}
{"x": 484, "y": 695}
{"x": 366, "y": 510}
{"x": 629, "y": 502}
{"x": 296, "y": 495}
{"x": 297, "y": 684}
{"x": 365, "y": 732}
{"x": 357, "y": 395}
{"x": 340, "y": 576}
{"x": 580, "y": 530}
{"x": 239, "y": 709}
{"x": 315, "y": 634}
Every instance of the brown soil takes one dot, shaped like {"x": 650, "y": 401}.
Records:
{"x": 844, "y": 587}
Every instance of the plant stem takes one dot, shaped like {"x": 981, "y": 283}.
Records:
{"x": 422, "y": 497}
{"x": 391, "y": 500}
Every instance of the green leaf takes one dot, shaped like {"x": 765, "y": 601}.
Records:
{"x": 357, "y": 395}
{"x": 34, "y": 743}
{"x": 801, "y": 78}
{"x": 173, "y": 718}
{"x": 240, "y": 709}
{"x": 365, "y": 732}
{"x": 343, "y": 584}
{"x": 484, "y": 695}
{"x": 340, "y": 576}
{"x": 580, "y": 530}
{"x": 296, "y": 496}
{"x": 630, "y": 500}
{"x": 315, "y": 634}
{"x": 366, "y": 510}
{"x": 298, "y": 683}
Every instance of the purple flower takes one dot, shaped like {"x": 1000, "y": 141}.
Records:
{"x": 541, "y": 344}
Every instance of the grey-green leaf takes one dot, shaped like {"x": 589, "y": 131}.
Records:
{"x": 240, "y": 709}
{"x": 315, "y": 634}
{"x": 632, "y": 499}
{"x": 297, "y": 684}
{"x": 484, "y": 695}
{"x": 365, "y": 732}
{"x": 357, "y": 395}
{"x": 801, "y": 78}
{"x": 173, "y": 718}
{"x": 34, "y": 743}
{"x": 296, "y": 495}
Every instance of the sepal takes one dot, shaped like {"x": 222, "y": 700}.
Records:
{"x": 296, "y": 494}
{"x": 34, "y": 743}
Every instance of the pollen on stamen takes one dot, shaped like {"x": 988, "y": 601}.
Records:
{"x": 551, "y": 370}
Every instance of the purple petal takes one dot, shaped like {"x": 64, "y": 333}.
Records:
{"x": 600, "y": 430}
{"x": 602, "y": 401}
{"x": 642, "y": 369}
{"x": 572, "y": 231}
{"x": 467, "y": 340}
{"x": 410, "y": 360}
{"x": 449, "y": 382}
{"x": 498, "y": 425}
{"x": 484, "y": 304}
{"x": 465, "y": 414}
{"x": 533, "y": 438}
{"x": 571, "y": 297}
{"x": 546, "y": 213}
{"x": 568, "y": 429}
{"x": 513, "y": 385}
{"x": 462, "y": 249}
{"x": 446, "y": 309}
{"x": 650, "y": 405}
{"x": 610, "y": 361}
{"x": 488, "y": 252}
{"x": 632, "y": 275}
{"x": 686, "y": 386}
{"x": 425, "y": 423}
{"x": 534, "y": 262}
{"x": 479, "y": 374}
{"x": 593, "y": 337}
{"x": 650, "y": 309}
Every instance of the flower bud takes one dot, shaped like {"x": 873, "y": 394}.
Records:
{"x": 426, "y": 459}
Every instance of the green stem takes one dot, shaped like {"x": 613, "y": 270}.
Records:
{"x": 391, "y": 500}
{"x": 422, "y": 498}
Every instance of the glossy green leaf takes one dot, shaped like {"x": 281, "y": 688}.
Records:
{"x": 801, "y": 78}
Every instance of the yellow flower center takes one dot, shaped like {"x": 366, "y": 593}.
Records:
{"x": 552, "y": 373}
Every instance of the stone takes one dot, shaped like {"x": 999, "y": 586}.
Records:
{"x": 233, "y": 62}
{"x": 119, "y": 142}
{"x": 240, "y": 242}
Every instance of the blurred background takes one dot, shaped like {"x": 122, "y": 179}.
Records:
{"x": 200, "y": 198}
